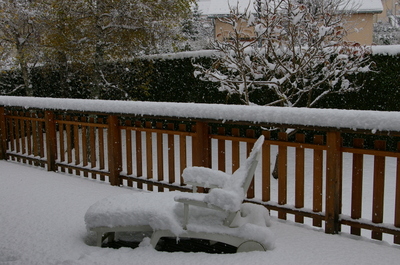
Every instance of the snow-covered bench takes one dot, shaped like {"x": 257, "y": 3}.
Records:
{"x": 219, "y": 215}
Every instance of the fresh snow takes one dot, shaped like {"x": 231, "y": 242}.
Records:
{"x": 222, "y": 7}
{"x": 330, "y": 118}
{"x": 42, "y": 222}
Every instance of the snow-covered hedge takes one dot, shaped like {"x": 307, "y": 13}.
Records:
{"x": 169, "y": 77}
{"x": 330, "y": 118}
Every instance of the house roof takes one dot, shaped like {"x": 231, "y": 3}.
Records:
{"x": 221, "y": 7}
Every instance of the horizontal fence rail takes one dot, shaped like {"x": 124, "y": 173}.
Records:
{"x": 342, "y": 180}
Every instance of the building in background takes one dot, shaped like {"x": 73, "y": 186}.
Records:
{"x": 360, "y": 25}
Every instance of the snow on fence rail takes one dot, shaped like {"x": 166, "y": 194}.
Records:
{"x": 351, "y": 183}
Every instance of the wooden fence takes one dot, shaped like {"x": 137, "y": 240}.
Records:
{"x": 315, "y": 169}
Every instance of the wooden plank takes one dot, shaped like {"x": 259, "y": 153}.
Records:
{"x": 249, "y": 146}
{"x": 114, "y": 150}
{"x": 275, "y": 142}
{"x": 29, "y": 136}
{"x": 61, "y": 131}
{"x": 76, "y": 144}
{"x": 221, "y": 150}
{"x": 333, "y": 189}
{"x": 92, "y": 142}
{"x": 51, "y": 140}
{"x": 139, "y": 163}
{"x": 84, "y": 147}
{"x": 102, "y": 147}
{"x": 282, "y": 174}
{"x": 160, "y": 156}
{"x": 69, "y": 144}
{"x": 171, "y": 155}
{"x": 23, "y": 136}
{"x": 128, "y": 148}
{"x": 357, "y": 182}
{"x": 11, "y": 130}
{"x": 266, "y": 168}
{"x": 397, "y": 200}
{"x": 17, "y": 137}
{"x": 370, "y": 152}
{"x": 149, "y": 154}
{"x": 235, "y": 150}
{"x": 41, "y": 138}
{"x": 317, "y": 179}
{"x": 183, "y": 152}
{"x": 3, "y": 134}
{"x": 203, "y": 145}
{"x": 378, "y": 189}
{"x": 299, "y": 177}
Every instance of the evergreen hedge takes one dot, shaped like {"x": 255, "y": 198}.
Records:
{"x": 173, "y": 80}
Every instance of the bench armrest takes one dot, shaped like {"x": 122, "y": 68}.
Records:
{"x": 204, "y": 177}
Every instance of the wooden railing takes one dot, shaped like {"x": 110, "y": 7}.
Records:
{"x": 320, "y": 181}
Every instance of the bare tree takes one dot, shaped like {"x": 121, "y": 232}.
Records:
{"x": 19, "y": 36}
{"x": 297, "y": 52}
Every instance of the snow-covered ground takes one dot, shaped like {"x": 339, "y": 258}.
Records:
{"x": 41, "y": 222}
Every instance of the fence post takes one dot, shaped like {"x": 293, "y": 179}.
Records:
{"x": 114, "y": 150}
{"x": 3, "y": 134}
{"x": 201, "y": 145}
{"x": 333, "y": 182}
{"x": 51, "y": 140}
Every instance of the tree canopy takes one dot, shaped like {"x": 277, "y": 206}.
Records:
{"x": 88, "y": 32}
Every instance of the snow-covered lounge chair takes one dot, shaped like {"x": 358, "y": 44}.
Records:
{"x": 219, "y": 215}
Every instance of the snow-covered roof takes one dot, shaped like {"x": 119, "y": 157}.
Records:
{"x": 221, "y": 7}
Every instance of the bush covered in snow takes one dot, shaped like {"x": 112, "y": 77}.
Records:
{"x": 170, "y": 78}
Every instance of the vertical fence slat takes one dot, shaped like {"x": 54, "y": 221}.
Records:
{"x": 160, "y": 155}
{"x": 92, "y": 141}
{"x": 149, "y": 154}
{"x": 235, "y": 150}
{"x": 101, "y": 150}
{"x": 333, "y": 189}
{"x": 3, "y": 134}
{"x": 11, "y": 130}
{"x": 29, "y": 136}
{"x": 202, "y": 145}
{"x": 139, "y": 164}
{"x": 378, "y": 189}
{"x": 249, "y": 147}
{"x": 76, "y": 144}
{"x": 17, "y": 136}
{"x": 221, "y": 150}
{"x": 266, "y": 168}
{"x": 51, "y": 140}
{"x": 114, "y": 150}
{"x": 397, "y": 199}
{"x": 357, "y": 182}
{"x": 171, "y": 155}
{"x": 84, "y": 147}
{"x": 182, "y": 148}
{"x": 41, "y": 136}
{"x": 61, "y": 145}
{"x": 69, "y": 144}
{"x": 128, "y": 148}
{"x": 282, "y": 174}
{"x": 317, "y": 179}
{"x": 23, "y": 136}
{"x": 299, "y": 177}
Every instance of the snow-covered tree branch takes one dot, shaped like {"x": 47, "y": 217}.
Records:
{"x": 297, "y": 50}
